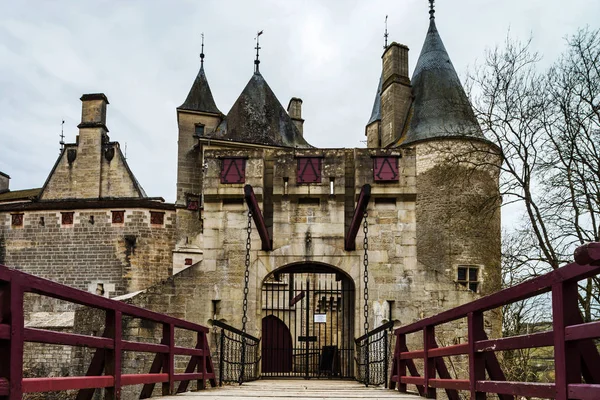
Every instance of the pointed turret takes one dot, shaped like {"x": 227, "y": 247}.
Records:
{"x": 440, "y": 107}
{"x": 258, "y": 117}
{"x": 200, "y": 97}
{"x": 373, "y": 128}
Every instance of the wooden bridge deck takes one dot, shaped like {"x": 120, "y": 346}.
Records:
{"x": 300, "y": 389}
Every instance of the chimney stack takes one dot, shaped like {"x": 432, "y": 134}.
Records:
{"x": 294, "y": 109}
{"x": 396, "y": 94}
{"x": 4, "y": 182}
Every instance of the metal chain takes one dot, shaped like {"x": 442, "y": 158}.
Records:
{"x": 245, "y": 305}
{"x": 366, "y": 293}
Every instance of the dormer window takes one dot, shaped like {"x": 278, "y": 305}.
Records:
{"x": 199, "y": 130}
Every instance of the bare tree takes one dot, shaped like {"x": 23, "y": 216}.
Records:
{"x": 547, "y": 125}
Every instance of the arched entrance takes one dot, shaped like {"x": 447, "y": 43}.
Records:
{"x": 308, "y": 322}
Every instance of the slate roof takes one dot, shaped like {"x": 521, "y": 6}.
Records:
{"x": 200, "y": 97}
{"x": 258, "y": 117}
{"x": 376, "y": 113}
{"x": 440, "y": 106}
{"x": 18, "y": 195}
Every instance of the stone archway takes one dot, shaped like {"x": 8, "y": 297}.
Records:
{"x": 314, "y": 302}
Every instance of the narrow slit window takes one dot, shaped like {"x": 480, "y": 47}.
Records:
{"x": 331, "y": 186}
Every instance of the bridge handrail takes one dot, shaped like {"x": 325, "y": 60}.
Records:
{"x": 107, "y": 358}
{"x": 575, "y": 354}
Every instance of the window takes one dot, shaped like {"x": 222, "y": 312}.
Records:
{"x": 385, "y": 169}
{"x": 233, "y": 170}
{"x": 157, "y": 218}
{"x": 118, "y": 217}
{"x": 17, "y": 220}
{"x": 468, "y": 276}
{"x": 192, "y": 205}
{"x": 67, "y": 218}
{"x": 199, "y": 130}
{"x": 309, "y": 170}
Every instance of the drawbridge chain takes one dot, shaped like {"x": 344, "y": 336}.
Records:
{"x": 245, "y": 306}
{"x": 366, "y": 293}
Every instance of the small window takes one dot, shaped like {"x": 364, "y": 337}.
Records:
{"x": 468, "y": 277}
{"x": 67, "y": 218}
{"x": 157, "y": 218}
{"x": 385, "y": 169}
{"x": 193, "y": 205}
{"x": 118, "y": 217}
{"x": 17, "y": 220}
{"x": 199, "y": 130}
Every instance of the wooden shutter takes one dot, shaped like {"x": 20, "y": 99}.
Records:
{"x": 385, "y": 169}
{"x": 233, "y": 170}
{"x": 309, "y": 170}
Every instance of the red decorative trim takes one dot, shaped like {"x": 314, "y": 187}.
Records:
{"x": 157, "y": 217}
{"x": 67, "y": 217}
{"x": 188, "y": 261}
{"x": 118, "y": 217}
{"x": 193, "y": 205}
{"x": 233, "y": 170}
{"x": 385, "y": 169}
{"x": 309, "y": 170}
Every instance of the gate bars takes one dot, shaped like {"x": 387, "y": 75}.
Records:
{"x": 373, "y": 369}
{"x": 238, "y": 355}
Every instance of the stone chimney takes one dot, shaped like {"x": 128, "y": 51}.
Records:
{"x": 4, "y": 182}
{"x": 396, "y": 94}
{"x": 294, "y": 109}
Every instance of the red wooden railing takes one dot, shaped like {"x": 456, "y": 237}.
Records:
{"x": 104, "y": 370}
{"x": 576, "y": 358}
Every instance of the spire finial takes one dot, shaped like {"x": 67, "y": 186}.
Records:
{"x": 431, "y": 9}
{"x": 385, "y": 35}
{"x": 257, "y": 61}
{"x": 62, "y": 135}
{"x": 202, "y": 52}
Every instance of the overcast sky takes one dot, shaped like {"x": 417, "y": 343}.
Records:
{"x": 144, "y": 56}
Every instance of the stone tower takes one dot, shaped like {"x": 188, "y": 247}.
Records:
{"x": 197, "y": 116}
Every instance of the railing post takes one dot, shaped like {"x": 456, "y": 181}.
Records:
{"x": 385, "y": 358}
{"x": 400, "y": 347}
{"x": 113, "y": 362}
{"x": 565, "y": 310}
{"x": 429, "y": 363}
{"x": 169, "y": 362}
{"x": 202, "y": 343}
{"x": 476, "y": 359}
{"x": 13, "y": 292}
{"x": 221, "y": 356}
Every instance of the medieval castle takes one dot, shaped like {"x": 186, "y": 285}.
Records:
{"x": 432, "y": 225}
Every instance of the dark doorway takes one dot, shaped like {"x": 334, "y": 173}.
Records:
{"x": 276, "y": 346}
{"x": 308, "y": 323}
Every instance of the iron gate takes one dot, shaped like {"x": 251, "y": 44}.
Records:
{"x": 308, "y": 323}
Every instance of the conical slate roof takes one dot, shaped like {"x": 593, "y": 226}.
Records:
{"x": 440, "y": 106}
{"x": 200, "y": 97}
{"x": 258, "y": 117}
{"x": 376, "y": 113}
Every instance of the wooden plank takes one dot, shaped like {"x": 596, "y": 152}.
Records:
{"x": 411, "y": 355}
{"x": 476, "y": 360}
{"x": 412, "y": 380}
{"x": 357, "y": 217}
{"x": 449, "y": 350}
{"x": 429, "y": 363}
{"x": 259, "y": 221}
{"x": 443, "y": 373}
{"x": 169, "y": 359}
{"x": 155, "y": 368}
{"x": 56, "y": 290}
{"x": 530, "y": 288}
{"x": 188, "y": 376}
{"x": 456, "y": 384}
{"x": 36, "y": 385}
{"x": 69, "y": 339}
{"x": 590, "y": 330}
{"x": 138, "y": 379}
{"x": 526, "y": 389}
{"x": 145, "y": 347}
{"x": 581, "y": 391}
{"x": 541, "y": 339}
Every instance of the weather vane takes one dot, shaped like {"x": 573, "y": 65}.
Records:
{"x": 62, "y": 135}
{"x": 202, "y": 51}
{"x": 385, "y": 35}
{"x": 431, "y": 9}
{"x": 257, "y": 61}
